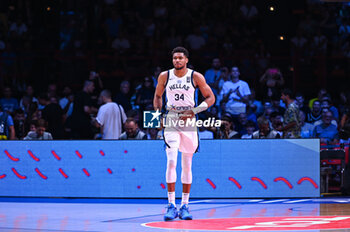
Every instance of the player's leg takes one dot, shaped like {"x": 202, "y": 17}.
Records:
{"x": 171, "y": 139}
{"x": 188, "y": 145}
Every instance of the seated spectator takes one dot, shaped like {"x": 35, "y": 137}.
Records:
{"x": 242, "y": 124}
{"x": 327, "y": 132}
{"x": 132, "y": 131}
{"x": 276, "y": 120}
{"x": 306, "y": 128}
{"x": 226, "y": 130}
{"x": 327, "y": 104}
{"x": 40, "y": 132}
{"x": 28, "y": 96}
{"x": 7, "y": 129}
{"x": 203, "y": 133}
{"x": 319, "y": 122}
{"x": 19, "y": 123}
{"x": 8, "y": 103}
{"x": 265, "y": 131}
{"x": 66, "y": 102}
{"x": 153, "y": 133}
{"x": 123, "y": 96}
{"x": 315, "y": 113}
{"x": 250, "y": 128}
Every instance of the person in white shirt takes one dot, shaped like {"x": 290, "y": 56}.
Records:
{"x": 235, "y": 94}
{"x": 110, "y": 117}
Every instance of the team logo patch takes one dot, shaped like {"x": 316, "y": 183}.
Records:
{"x": 151, "y": 119}
{"x": 259, "y": 224}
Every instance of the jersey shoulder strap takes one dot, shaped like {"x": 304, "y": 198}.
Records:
{"x": 167, "y": 78}
{"x": 192, "y": 79}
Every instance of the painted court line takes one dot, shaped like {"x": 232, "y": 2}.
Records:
{"x": 266, "y": 202}
{"x": 296, "y": 201}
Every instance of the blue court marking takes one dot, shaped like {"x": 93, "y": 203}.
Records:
{"x": 153, "y": 215}
{"x": 334, "y": 200}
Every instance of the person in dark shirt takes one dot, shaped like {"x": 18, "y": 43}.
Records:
{"x": 53, "y": 115}
{"x": 123, "y": 97}
{"x": 82, "y": 109}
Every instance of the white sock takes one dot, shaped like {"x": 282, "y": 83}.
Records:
{"x": 185, "y": 199}
{"x": 171, "y": 197}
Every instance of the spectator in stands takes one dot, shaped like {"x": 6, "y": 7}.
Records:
{"x": 19, "y": 121}
{"x": 8, "y": 103}
{"x": 326, "y": 103}
{"x": 132, "y": 131}
{"x": 250, "y": 128}
{"x": 306, "y": 128}
{"x": 227, "y": 130}
{"x": 235, "y": 94}
{"x": 265, "y": 132}
{"x": 40, "y": 132}
{"x": 123, "y": 96}
{"x": 316, "y": 112}
{"x": 291, "y": 123}
{"x": 29, "y": 94}
{"x": 121, "y": 43}
{"x": 7, "y": 129}
{"x": 203, "y": 133}
{"x": 66, "y": 102}
{"x": 145, "y": 95}
{"x": 110, "y": 117}
{"x": 156, "y": 73}
{"x": 195, "y": 41}
{"x": 82, "y": 109}
{"x": 272, "y": 80}
{"x": 53, "y": 115}
{"x": 327, "y": 132}
{"x": 213, "y": 74}
{"x": 257, "y": 103}
{"x": 276, "y": 122}
{"x": 300, "y": 101}
{"x": 319, "y": 122}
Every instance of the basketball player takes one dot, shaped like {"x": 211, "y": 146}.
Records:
{"x": 180, "y": 84}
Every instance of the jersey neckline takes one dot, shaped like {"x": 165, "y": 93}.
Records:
{"x": 188, "y": 71}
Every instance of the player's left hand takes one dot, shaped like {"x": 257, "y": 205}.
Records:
{"x": 186, "y": 114}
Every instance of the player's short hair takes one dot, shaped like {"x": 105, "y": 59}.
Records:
{"x": 181, "y": 50}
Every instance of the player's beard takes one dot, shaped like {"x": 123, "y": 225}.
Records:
{"x": 179, "y": 68}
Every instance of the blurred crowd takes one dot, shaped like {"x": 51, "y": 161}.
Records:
{"x": 255, "y": 49}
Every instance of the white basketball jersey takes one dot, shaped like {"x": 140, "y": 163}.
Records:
{"x": 180, "y": 91}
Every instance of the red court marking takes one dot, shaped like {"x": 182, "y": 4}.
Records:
{"x": 86, "y": 172}
{"x": 109, "y": 170}
{"x": 133, "y": 169}
{"x": 33, "y": 156}
{"x": 284, "y": 180}
{"x": 308, "y": 179}
{"x": 162, "y": 185}
{"x": 40, "y": 174}
{"x": 78, "y": 154}
{"x": 125, "y": 151}
{"x": 56, "y": 156}
{"x": 260, "y": 181}
{"x": 17, "y": 174}
{"x": 2, "y": 176}
{"x": 236, "y": 182}
{"x": 258, "y": 224}
{"x": 102, "y": 153}
{"x": 211, "y": 183}
{"x": 138, "y": 187}
{"x": 11, "y": 157}
{"x": 63, "y": 173}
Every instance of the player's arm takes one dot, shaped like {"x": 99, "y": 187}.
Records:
{"x": 209, "y": 97}
{"x": 157, "y": 100}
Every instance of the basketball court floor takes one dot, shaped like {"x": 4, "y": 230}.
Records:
{"x": 48, "y": 214}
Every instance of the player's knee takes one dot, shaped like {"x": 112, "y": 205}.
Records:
{"x": 171, "y": 164}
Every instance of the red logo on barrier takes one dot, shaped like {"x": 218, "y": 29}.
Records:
{"x": 258, "y": 224}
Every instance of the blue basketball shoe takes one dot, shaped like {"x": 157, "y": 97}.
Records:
{"x": 184, "y": 213}
{"x": 171, "y": 212}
